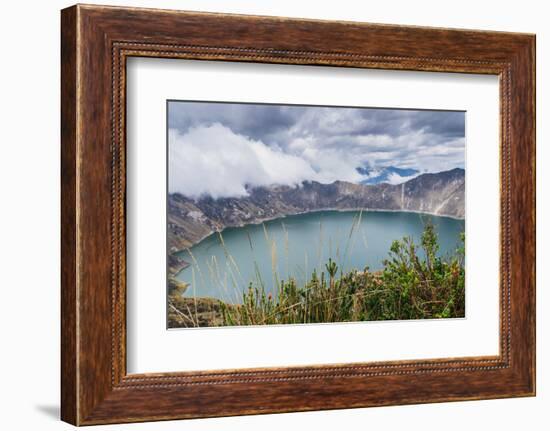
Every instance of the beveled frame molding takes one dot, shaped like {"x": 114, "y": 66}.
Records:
{"x": 96, "y": 41}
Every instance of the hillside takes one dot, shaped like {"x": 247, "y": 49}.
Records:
{"x": 191, "y": 220}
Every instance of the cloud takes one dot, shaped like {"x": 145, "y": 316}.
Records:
{"x": 282, "y": 123}
{"x": 215, "y": 161}
{"x": 255, "y": 121}
{"x": 222, "y": 148}
{"x": 331, "y": 165}
{"x": 398, "y": 179}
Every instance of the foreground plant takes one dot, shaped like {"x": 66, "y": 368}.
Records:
{"x": 415, "y": 283}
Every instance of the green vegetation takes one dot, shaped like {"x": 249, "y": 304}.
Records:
{"x": 415, "y": 283}
{"x": 409, "y": 287}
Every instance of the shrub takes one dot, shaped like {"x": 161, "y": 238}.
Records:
{"x": 415, "y": 283}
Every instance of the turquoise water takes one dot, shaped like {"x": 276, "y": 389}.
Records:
{"x": 222, "y": 266}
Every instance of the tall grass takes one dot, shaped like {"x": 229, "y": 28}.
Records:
{"x": 415, "y": 283}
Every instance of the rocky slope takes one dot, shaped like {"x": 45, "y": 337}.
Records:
{"x": 191, "y": 220}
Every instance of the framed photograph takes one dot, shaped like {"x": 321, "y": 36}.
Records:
{"x": 293, "y": 214}
{"x": 263, "y": 214}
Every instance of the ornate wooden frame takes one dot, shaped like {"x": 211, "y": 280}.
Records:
{"x": 95, "y": 43}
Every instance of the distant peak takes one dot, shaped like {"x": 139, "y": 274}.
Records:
{"x": 386, "y": 174}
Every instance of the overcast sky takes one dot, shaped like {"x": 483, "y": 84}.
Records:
{"x": 218, "y": 149}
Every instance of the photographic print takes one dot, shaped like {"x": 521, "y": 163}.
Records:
{"x": 295, "y": 214}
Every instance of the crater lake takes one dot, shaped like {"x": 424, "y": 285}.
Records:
{"x": 223, "y": 264}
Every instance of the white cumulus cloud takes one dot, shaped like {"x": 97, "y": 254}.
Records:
{"x": 213, "y": 160}
{"x": 394, "y": 178}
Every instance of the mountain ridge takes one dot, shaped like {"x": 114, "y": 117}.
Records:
{"x": 191, "y": 220}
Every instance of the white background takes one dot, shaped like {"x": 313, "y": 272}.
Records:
{"x": 29, "y": 227}
{"x": 151, "y": 348}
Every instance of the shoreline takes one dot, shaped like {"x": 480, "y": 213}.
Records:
{"x": 311, "y": 212}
